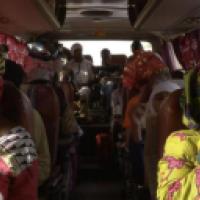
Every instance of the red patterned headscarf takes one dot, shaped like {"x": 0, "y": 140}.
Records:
{"x": 140, "y": 68}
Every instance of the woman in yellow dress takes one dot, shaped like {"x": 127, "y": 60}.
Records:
{"x": 179, "y": 168}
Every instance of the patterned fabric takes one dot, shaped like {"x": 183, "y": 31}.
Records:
{"x": 140, "y": 68}
{"x": 18, "y": 166}
{"x": 187, "y": 49}
{"x": 179, "y": 169}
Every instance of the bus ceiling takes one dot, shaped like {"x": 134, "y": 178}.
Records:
{"x": 99, "y": 19}
{"x": 128, "y": 19}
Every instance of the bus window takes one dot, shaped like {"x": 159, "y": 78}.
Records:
{"x": 94, "y": 48}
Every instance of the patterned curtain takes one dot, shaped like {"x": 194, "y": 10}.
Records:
{"x": 187, "y": 49}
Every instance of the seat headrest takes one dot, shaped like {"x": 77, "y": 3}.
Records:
{"x": 16, "y": 107}
{"x": 118, "y": 60}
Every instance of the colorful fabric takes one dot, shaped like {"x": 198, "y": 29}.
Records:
{"x": 191, "y": 102}
{"x": 18, "y": 166}
{"x": 187, "y": 49}
{"x": 140, "y": 68}
{"x": 179, "y": 169}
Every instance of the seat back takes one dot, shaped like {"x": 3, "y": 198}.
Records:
{"x": 17, "y": 107}
{"x": 68, "y": 91}
{"x": 169, "y": 118}
{"x": 45, "y": 100}
{"x": 119, "y": 60}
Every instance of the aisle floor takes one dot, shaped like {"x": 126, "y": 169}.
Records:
{"x": 98, "y": 184}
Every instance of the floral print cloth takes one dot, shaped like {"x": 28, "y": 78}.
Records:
{"x": 179, "y": 169}
{"x": 140, "y": 68}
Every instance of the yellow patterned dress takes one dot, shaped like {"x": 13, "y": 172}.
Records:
{"x": 179, "y": 169}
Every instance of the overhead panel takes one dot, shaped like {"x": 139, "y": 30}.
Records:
{"x": 169, "y": 15}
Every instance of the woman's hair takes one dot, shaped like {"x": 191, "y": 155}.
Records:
{"x": 136, "y": 45}
{"x": 14, "y": 73}
{"x": 11, "y": 104}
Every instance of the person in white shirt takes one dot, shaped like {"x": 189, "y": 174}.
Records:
{"x": 81, "y": 67}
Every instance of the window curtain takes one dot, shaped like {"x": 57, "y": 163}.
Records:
{"x": 187, "y": 49}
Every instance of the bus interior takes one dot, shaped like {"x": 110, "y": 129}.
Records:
{"x": 85, "y": 130}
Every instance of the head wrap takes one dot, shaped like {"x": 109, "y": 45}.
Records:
{"x": 191, "y": 99}
{"x": 141, "y": 68}
{"x": 165, "y": 86}
{"x": 75, "y": 47}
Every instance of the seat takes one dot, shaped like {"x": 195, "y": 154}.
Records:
{"x": 45, "y": 100}
{"x": 169, "y": 119}
{"x": 118, "y": 60}
{"x": 16, "y": 105}
{"x": 68, "y": 91}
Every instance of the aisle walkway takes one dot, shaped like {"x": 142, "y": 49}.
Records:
{"x": 98, "y": 184}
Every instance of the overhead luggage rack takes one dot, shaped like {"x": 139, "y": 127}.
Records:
{"x": 27, "y": 16}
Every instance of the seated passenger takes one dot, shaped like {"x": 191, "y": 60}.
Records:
{"x": 81, "y": 68}
{"x": 18, "y": 157}
{"x": 108, "y": 68}
{"x": 159, "y": 94}
{"x": 15, "y": 74}
{"x": 106, "y": 58}
{"x": 178, "y": 171}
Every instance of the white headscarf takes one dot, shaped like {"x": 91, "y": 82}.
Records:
{"x": 165, "y": 86}
{"x": 75, "y": 47}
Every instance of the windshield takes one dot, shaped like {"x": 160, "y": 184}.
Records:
{"x": 94, "y": 48}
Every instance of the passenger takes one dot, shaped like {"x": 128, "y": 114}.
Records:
{"x": 178, "y": 171}
{"x": 107, "y": 66}
{"x": 133, "y": 140}
{"x": 82, "y": 69}
{"x": 141, "y": 66}
{"x": 15, "y": 74}
{"x": 135, "y": 126}
{"x": 159, "y": 94}
{"x": 19, "y": 161}
{"x": 106, "y": 57}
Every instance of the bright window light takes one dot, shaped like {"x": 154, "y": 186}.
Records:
{"x": 94, "y": 48}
